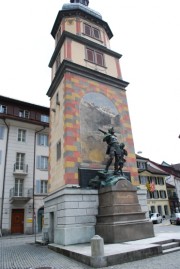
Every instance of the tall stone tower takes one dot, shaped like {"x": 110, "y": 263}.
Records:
{"x": 87, "y": 92}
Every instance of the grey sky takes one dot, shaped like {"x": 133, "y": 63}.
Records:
{"x": 146, "y": 33}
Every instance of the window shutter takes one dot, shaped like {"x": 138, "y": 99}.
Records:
{"x": 99, "y": 59}
{"x": 46, "y": 140}
{"x": 90, "y": 55}
{"x": 38, "y": 139}
{"x": 87, "y": 29}
{"x": 38, "y": 186}
{"x": 0, "y": 156}
{"x": 38, "y": 164}
{"x": 1, "y": 132}
{"x": 96, "y": 33}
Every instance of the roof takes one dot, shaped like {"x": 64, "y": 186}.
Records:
{"x": 83, "y": 12}
{"x": 12, "y": 100}
{"x": 171, "y": 170}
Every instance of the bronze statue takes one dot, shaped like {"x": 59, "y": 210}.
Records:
{"x": 114, "y": 150}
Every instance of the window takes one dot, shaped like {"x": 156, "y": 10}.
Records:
{"x": 141, "y": 165}
{"x": 58, "y": 61}
{"x": 41, "y": 186}
{"x": 159, "y": 210}
{"x": 166, "y": 211}
{"x": 160, "y": 180}
{"x": 148, "y": 195}
{"x": 58, "y": 148}
{"x": 94, "y": 56}
{"x": 57, "y": 99}
{"x": 143, "y": 180}
{"x": 21, "y": 135}
{"x": 1, "y": 132}
{"x": 20, "y": 161}
{"x": 153, "y": 209}
{"x": 153, "y": 180}
{"x": 42, "y": 140}
{"x": 24, "y": 114}
{"x": 91, "y": 31}
{"x": 18, "y": 190}
{"x": 163, "y": 194}
{"x": 44, "y": 118}
{"x": 3, "y": 109}
{"x": 42, "y": 162}
{"x": 155, "y": 194}
{"x": 58, "y": 35}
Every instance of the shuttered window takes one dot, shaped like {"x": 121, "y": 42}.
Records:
{"x": 94, "y": 56}
{"x": 42, "y": 162}
{"x": 92, "y": 31}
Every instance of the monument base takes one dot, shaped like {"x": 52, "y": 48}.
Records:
{"x": 70, "y": 216}
{"x": 120, "y": 217}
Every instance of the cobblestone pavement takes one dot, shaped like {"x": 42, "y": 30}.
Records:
{"x": 23, "y": 253}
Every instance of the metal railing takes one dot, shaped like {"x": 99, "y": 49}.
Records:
{"x": 20, "y": 168}
{"x": 21, "y": 193}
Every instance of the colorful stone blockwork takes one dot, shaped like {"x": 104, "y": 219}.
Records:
{"x": 75, "y": 88}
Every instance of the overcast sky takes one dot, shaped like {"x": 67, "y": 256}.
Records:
{"x": 146, "y": 33}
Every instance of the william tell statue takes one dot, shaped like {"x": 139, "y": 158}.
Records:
{"x": 117, "y": 152}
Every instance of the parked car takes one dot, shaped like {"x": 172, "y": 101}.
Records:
{"x": 175, "y": 218}
{"x": 156, "y": 218}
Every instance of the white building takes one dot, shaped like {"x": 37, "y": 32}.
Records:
{"x": 24, "y": 150}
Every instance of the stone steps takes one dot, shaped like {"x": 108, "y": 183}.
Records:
{"x": 171, "y": 246}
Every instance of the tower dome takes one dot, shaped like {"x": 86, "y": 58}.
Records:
{"x": 83, "y": 2}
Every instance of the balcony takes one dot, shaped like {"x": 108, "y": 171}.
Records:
{"x": 20, "y": 169}
{"x": 18, "y": 196}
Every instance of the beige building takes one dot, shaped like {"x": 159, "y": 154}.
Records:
{"x": 153, "y": 179}
{"x": 24, "y": 129}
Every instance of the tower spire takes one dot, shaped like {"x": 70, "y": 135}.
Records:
{"x": 83, "y": 2}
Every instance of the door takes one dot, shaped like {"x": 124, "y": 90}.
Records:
{"x": 17, "y": 221}
{"x": 20, "y": 160}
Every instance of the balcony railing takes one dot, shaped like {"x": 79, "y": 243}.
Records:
{"x": 23, "y": 195}
{"x": 21, "y": 169}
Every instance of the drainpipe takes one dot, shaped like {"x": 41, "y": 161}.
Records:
{"x": 33, "y": 213}
{"x": 4, "y": 176}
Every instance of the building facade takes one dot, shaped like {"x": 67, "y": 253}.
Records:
{"x": 24, "y": 148}
{"x": 153, "y": 179}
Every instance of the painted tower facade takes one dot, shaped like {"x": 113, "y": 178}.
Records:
{"x": 87, "y": 92}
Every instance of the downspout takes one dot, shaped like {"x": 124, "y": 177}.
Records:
{"x": 33, "y": 213}
{"x": 4, "y": 176}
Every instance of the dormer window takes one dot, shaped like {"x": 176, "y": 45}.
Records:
{"x": 45, "y": 118}
{"x": 91, "y": 31}
{"x": 141, "y": 165}
{"x": 24, "y": 114}
{"x": 3, "y": 109}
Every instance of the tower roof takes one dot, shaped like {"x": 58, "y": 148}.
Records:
{"x": 84, "y": 2}
{"x": 78, "y": 4}
{"x": 80, "y": 8}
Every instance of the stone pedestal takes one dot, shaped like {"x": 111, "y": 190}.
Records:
{"x": 70, "y": 216}
{"x": 120, "y": 216}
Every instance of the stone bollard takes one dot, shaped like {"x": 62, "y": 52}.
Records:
{"x": 97, "y": 252}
